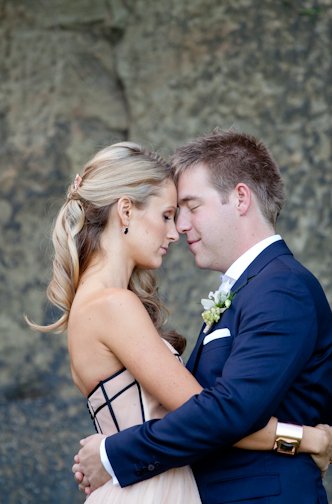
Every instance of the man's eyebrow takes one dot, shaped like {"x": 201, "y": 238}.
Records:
{"x": 188, "y": 198}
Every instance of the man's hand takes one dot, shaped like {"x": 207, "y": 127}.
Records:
{"x": 88, "y": 469}
{"x": 324, "y": 458}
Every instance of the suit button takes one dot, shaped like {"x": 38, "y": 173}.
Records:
{"x": 151, "y": 467}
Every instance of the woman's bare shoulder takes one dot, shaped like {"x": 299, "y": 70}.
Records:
{"x": 104, "y": 304}
{"x": 115, "y": 298}
{"x": 106, "y": 297}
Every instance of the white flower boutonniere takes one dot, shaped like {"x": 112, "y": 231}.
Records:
{"x": 218, "y": 302}
{"x": 214, "y": 306}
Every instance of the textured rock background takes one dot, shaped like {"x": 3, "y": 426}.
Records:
{"x": 77, "y": 75}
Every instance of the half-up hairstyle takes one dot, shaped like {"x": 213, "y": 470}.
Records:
{"x": 120, "y": 169}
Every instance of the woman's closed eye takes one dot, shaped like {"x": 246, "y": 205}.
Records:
{"x": 169, "y": 216}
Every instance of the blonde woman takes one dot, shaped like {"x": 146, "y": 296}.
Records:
{"x": 115, "y": 226}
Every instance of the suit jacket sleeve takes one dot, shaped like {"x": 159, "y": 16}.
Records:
{"x": 277, "y": 331}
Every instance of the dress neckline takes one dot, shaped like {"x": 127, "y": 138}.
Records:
{"x": 102, "y": 382}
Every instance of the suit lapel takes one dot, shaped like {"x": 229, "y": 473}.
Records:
{"x": 269, "y": 254}
{"x": 194, "y": 356}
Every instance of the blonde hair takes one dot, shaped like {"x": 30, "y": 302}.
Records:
{"x": 120, "y": 169}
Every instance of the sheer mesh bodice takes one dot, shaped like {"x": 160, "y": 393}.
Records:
{"x": 120, "y": 402}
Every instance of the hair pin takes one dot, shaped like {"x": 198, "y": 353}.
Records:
{"x": 77, "y": 182}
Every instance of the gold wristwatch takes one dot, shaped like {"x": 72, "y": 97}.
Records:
{"x": 288, "y": 438}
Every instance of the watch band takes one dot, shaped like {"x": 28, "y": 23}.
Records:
{"x": 288, "y": 438}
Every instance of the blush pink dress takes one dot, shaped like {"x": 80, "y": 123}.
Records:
{"x": 120, "y": 402}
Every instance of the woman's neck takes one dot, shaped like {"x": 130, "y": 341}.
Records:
{"x": 107, "y": 273}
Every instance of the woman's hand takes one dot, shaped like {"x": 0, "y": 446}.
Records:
{"x": 323, "y": 457}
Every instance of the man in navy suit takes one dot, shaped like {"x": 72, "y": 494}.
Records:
{"x": 268, "y": 354}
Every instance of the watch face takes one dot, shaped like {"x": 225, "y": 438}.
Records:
{"x": 287, "y": 446}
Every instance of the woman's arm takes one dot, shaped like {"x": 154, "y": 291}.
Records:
{"x": 262, "y": 439}
{"x": 317, "y": 441}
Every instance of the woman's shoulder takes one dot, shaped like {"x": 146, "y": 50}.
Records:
{"x": 104, "y": 303}
{"x": 112, "y": 299}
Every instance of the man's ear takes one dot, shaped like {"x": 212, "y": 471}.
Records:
{"x": 243, "y": 197}
{"x": 124, "y": 207}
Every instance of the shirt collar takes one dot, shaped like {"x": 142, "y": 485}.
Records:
{"x": 241, "y": 264}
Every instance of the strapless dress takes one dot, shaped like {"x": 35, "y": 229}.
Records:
{"x": 120, "y": 402}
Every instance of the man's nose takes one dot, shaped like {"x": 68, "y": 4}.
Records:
{"x": 182, "y": 223}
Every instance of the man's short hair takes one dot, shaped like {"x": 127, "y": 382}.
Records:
{"x": 232, "y": 157}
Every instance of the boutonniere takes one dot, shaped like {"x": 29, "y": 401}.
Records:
{"x": 214, "y": 306}
{"x": 218, "y": 302}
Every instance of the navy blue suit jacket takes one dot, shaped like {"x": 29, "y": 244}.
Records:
{"x": 277, "y": 361}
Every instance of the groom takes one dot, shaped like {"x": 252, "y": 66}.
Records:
{"x": 268, "y": 354}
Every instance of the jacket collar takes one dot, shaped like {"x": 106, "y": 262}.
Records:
{"x": 274, "y": 250}
{"x": 270, "y": 253}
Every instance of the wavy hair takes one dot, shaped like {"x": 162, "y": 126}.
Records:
{"x": 120, "y": 169}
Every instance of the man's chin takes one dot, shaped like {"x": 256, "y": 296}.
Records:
{"x": 200, "y": 263}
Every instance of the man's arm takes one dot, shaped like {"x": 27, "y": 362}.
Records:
{"x": 316, "y": 442}
{"x": 278, "y": 332}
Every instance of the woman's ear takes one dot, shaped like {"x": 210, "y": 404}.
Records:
{"x": 243, "y": 197}
{"x": 124, "y": 207}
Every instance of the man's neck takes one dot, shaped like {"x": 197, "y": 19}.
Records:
{"x": 245, "y": 259}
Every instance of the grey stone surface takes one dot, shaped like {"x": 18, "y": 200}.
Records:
{"x": 78, "y": 75}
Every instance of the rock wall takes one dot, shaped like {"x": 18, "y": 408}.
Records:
{"x": 78, "y": 75}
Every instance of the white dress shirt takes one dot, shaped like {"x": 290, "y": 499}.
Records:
{"x": 106, "y": 463}
{"x": 241, "y": 264}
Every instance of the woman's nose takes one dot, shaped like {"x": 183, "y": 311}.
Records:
{"x": 173, "y": 235}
